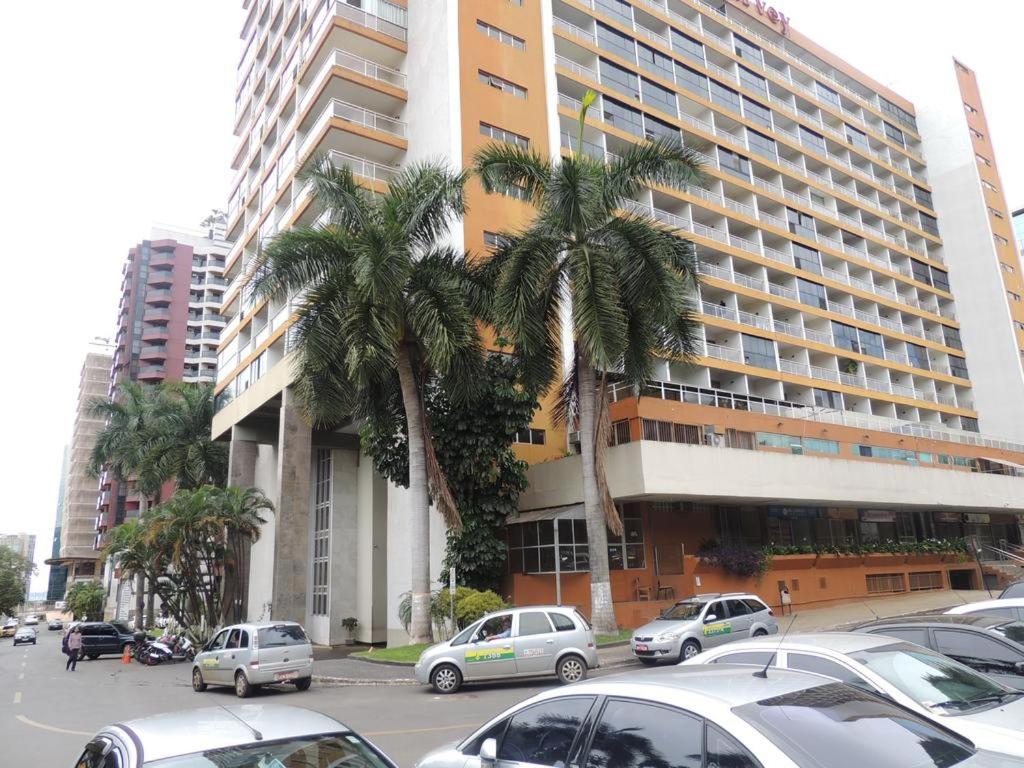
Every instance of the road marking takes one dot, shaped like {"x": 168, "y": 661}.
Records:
{"x": 421, "y": 730}
{"x": 55, "y": 729}
{"x": 17, "y": 697}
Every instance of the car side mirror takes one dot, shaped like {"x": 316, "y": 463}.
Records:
{"x": 488, "y": 752}
{"x": 709, "y": 618}
{"x": 1019, "y": 667}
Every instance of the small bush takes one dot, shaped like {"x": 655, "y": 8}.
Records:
{"x": 740, "y": 561}
{"x": 474, "y": 604}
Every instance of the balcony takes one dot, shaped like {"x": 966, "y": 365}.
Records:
{"x": 161, "y": 259}
{"x": 153, "y": 352}
{"x": 160, "y": 277}
{"x": 213, "y": 280}
{"x": 160, "y": 296}
{"x": 152, "y": 372}
{"x": 380, "y": 16}
{"x": 153, "y": 333}
{"x": 157, "y": 315}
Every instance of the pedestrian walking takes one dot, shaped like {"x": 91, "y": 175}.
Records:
{"x": 74, "y": 641}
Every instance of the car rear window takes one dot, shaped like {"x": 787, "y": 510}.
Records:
{"x": 562, "y": 622}
{"x": 281, "y": 635}
{"x": 1012, "y": 631}
{"x": 583, "y": 619}
{"x": 836, "y": 726}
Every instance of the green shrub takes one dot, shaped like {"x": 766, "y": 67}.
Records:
{"x": 473, "y": 604}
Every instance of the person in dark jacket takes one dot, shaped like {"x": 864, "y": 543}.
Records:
{"x": 74, "y": 642}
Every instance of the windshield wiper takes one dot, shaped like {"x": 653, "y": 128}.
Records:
{"x": 997, "y": 697}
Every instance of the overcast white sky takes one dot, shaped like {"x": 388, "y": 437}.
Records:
{"x": 118, "y": 115}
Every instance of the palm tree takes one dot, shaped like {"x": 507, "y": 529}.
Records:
{"x": 184, "y": 449}
{"x": 240, "y": 513}
{"x": 385, "y": 306}
{"x": 628, "y": 285}
{"x": 125, "y": 445}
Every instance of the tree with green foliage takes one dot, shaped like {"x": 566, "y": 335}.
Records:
{"x": 473, "y": 438}
{"x": 84, "y": 600}
{"x": 627, "y": 283}
{"x": 15, "y": 571}
{"x": 385, "y": 306}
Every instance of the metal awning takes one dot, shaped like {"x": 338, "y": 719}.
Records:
{"x": 567, "y": 512}
{"x": 1005, "y": 463}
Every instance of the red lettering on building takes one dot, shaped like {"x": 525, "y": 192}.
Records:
{"x": 774, "y": 15}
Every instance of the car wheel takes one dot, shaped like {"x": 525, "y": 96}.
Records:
{"x": 760, "y": 632}
{"x": 92, "y": 656}
{"x": 243, "y": 689}
{"x": 647, "y": 662}
{"x": 303, "y": 684}
{"x": 690, "y": 649}
{"x": 446, "y": 678}
{"x": 571, "y": 669}
{"x": 197, "y": 681}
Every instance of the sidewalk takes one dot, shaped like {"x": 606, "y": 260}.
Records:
{"x": 350, "y": 671}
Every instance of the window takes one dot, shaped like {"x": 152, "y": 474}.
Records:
{"x": 500, "y": 134}
{"x": 826, "y": 398}
{"x": 807, "y": 259}
{"x": 687, "y": 46}
{"x": 845, "y": 336}
{"x": 952, "y": 337}
{"x": 631, "y": 734}
{"x": 613, "y": 41}
{"x": 562, "y": 622}
{"x": 531, "y": 547}
{"x": 533, "y": 623}
{"x": 1002, "y": 240}
{"x": 958, "y": 366}
{"x": 826, "y": 667}
{"x": 902, "y": 116}
{"x": 895, "y": 135}
{"x": 655, "y": 128}
{"x": 813, "y": 140}
{"x": 921, "y": 271}
{"x": 657, "y": 63}
{"x": 753, "y": 81}
{"x": 627, "y": 551}
{"x": 812, "y": 293}
{"x": 972, "y": 645}
{"x": 801, "y": 224}
{"x": 513, "y": 190}
{"x": 762, "y": 145}
{"x": 501, "y": 84}
{"x": 918, "y": 356}
{"x": 691, "y": 80}
{"x": 923, "y": 196}
{"x": 983, "y": 160}
{"x": 735, "y": 164}
{"x": 1013, "y": 296}
{"x": 724, "y": 751}
{"x": 995, "y": 213}
{"x": 659, "y": 97}
{"x": 282, "y": 636}
{"x": 618, "y": 9}
{"x": 725, "y": 97}
{"x": 1007, "y": 268}
{"x": 940, "y": 279}
{"x": 969, "y": 109}
{"x": 759, "y": 352}
{"x": 493, "y": 241}
{"x": 747, "y": 50}
{"x": 619, "y": 79}
{"x": 929, "y": 224}
{"x": 968, "y": 424}
{"x": 826, "y": 94}
{"x": 916, "y": 636}
{"x": 737, "y": 608}
{"x": 559, "y": 720}
{"x": 817, "y": 445}
{"x": 530, "y": 436}
{"x": 988, "y": 186}
{"x": 757, "y": 658}
{"x": 621, "y": 116}
{"x": 757, "y": 113}
{"x": 573, "y": 553}
{"x": 871, "y": 344}
{"x": 856, "y": 138}
{"x": 500, "y": 35}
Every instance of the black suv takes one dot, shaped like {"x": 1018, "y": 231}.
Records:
{"x": 99, "y": 637}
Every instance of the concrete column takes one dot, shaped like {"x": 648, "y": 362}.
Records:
{"x": 344, "y": 541}
{"x": 372, "y": 555}
{"x": 291, "y": 542}
{"x": 241, "y": 473}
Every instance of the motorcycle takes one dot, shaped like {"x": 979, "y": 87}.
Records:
{"x": 171, "y": 648}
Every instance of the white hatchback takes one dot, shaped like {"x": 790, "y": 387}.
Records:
{"x": 247, "y": 656}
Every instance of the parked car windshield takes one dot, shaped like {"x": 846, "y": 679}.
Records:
{"x": 1013, "y": 630}
{"x": 1014, "y": 590}
{"x": 931, "y": 679}
{"x": 282, "y": 634}
{"x": 683, "y": 611}
{"x": 121, "y": 627}
{"x": 836, "y": 726}
{"x": 341, "y": 749}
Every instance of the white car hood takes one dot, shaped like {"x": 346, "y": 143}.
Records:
{"x": 998, "y": 729}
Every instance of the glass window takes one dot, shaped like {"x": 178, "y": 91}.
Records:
{"x": 243, "y": 641}
{"x": 659, "y": 97}
{"x": 621, "y": 116}
{"x": 825, "y": 398}
{"x": 973, "y": 645}
{"x": 562, "y": 622}
{"x": 501, "y": 84}
{"x": 747, "y": 50}
{"x": 655, "y": 128}
{"x": 233, "y": 639}
{"x": 618, "y": 9}
{"x": 871, "y": 344}
{"x": 687, "y": 46}
{"x": 762, "y": 144}
{"x": 807, "y": 258}
{"x": 726, "y": 97}
{"x": 320, "y": 750}
{"x": 826, "y": 94}
{"x": 543, "y": 734}
{"x": 757, "y": 113}
{"x": 929, "y": 223}
{"x": 826, "y": 667}
{"x": 632, "y": 734}
{"x": 856, "y": 138}
{"x": 895, "y": 135}
{"x": 735, "y": 164}
{"x": 218, "y": 642}
{"x": 817, "y": 445}
{"x": 655, "y": 62}
{"x": 918, "y": 356}
{"x": 813, "y": 140}
{"x": 619, "y": 79}
{"x": 901, "y": 115}
{"x": 916, "y": 636}
{"x": 573, "y": 554}
{"x": 533, "y": 623}
{"x": 756, "y": 658}
{"x": 737, "y": 608}
{"x": 940, "y": 279}
{"x": 500, "y": 134}
{"x": 691, "y": 80}
{"x": 958, "y": 366}
{"x": 923, "y": 196}
{"x": 812, "y": 293}
{"x": 281, "y": 635}
{"x": 755, "y": 606}
{"x": 969, "y": 424}
{"x": 613, "y": 41}
{"x": 841, "y": 727}
{"x": 627, "y": 551}
{"x": 801, "y": 224}
{"x": 723, "y": 751}
{"x": 952, "y": 337}
{"x": 845, "y": 336}
{"x": 759, "y": 352}
{"x": 753, "y": 82}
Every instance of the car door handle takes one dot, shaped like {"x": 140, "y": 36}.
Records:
{"x": 549, "y": 642}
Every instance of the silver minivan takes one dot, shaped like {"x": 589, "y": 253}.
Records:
{"x": 249, "y": 655}
{"x": 521, "y": 642}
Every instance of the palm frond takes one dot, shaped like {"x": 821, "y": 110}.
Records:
{"x": 423, "y": 200}
{"x": 500, "y": 166}
{"x": 298, "y": 257}
{"x": 598, "y": 317}
{"x": 664, "y": 161}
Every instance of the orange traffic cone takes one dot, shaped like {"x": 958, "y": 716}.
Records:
{"x": 126, "y": 657}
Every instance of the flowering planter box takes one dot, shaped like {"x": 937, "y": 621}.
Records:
{"x": 832, "y": 560}
{"x": 883, "y": 558}
{"x": 792, "y": 562}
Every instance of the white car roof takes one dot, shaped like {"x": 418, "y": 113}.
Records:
{"x": 983, "y": 605}
{"x": 838, "y": 642}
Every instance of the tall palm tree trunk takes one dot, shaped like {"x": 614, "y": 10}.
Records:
{"x": 602, "y": 612}
{"x": 140, "y": 578}
{"x": 419, "y": 502}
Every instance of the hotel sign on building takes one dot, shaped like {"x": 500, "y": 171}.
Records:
{"x": 772, "y": 14}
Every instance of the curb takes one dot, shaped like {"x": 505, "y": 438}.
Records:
{"x": 355, "y": 681}
{"x": 382, "y": 662}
